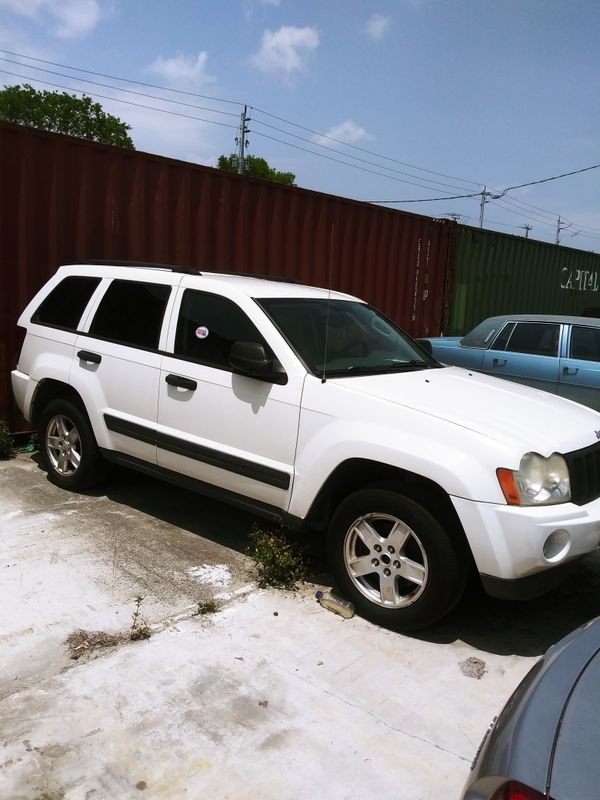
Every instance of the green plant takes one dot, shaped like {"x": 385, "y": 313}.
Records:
{"x": 6, "y": 441}
{"x": 139, "y": 624}
{"x": 206, "y": 607}
{"x": 280, "y": 562}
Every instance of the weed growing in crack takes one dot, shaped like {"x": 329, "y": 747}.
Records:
{"x": 139, "y": 624}
{"x": 206, "y": 607}
{"x": 279, "y": 561}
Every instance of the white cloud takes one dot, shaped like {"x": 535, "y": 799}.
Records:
{"x": 182, "y": 71}
{"x": 67, "y": 19}
{"x": 376, "y": 26}
{"x": 286, "y": 49}
{"x": 270, "y": 2}
{"x": 348, "y": 132}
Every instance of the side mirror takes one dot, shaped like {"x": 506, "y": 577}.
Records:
{"x": 250, "y": 358}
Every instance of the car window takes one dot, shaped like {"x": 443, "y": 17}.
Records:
{"x": 208, "y": 325}
{"x": 481, "y": 336}
{"x": 65, "y": 304}
{"x": 131, "y": 313}
{"x": 585, "y": 343}
{"x": 536, "y": 338}
{"x": 502, "y": 339}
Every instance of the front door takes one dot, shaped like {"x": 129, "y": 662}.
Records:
{"x": 231, "y": 431}
{"x": 530, "y": 356}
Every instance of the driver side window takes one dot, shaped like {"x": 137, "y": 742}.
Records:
{"x": 208, "y": 325}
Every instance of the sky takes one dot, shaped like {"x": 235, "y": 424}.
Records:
{"x": 383, "y": 101}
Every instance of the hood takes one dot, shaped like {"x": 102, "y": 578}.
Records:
{"x": 498, "y": 409}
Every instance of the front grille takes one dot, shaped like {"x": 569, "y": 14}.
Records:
{"x": 584, "y": 469}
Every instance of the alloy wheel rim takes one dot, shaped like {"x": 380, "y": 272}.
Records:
{"x": 63, "y": 445}
{"x": 386, "y": 560}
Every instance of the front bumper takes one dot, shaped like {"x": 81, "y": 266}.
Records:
{"x": 514, "y": 542}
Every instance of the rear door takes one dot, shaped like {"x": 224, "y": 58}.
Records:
{"x": 116, "y": 366}
{"x": 579, "y": 374}
{"x": 526, "y": 352}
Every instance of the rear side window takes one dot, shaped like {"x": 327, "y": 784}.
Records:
{"x": 585, "y": 343}
{"x": 66, "y": 303}
{"x": 207, "y": 327}
{"x": 131, "y": 313}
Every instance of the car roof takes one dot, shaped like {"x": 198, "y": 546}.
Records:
{"x": 256, "y": 286}
{"x": 560, "y": 318}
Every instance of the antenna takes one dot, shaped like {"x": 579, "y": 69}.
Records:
{"x": 328, "y": 304}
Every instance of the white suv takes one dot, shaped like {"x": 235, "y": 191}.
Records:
{"x": 310, "y": 408}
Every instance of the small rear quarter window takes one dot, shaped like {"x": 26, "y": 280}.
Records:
{"x": 65, "y": 304}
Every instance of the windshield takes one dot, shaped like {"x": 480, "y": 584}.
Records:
{"x": 359, "y": 339}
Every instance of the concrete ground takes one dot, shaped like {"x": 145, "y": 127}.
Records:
{"x": 270, "y": 697}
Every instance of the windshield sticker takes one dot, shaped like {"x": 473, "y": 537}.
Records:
{"x": 201, "y": 332}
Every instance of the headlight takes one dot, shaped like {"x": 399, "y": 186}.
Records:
{"x": 539, "y": 481}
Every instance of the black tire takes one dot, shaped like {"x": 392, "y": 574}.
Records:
{"x": 411, "y": 543}
{"x": 68, "y": 449}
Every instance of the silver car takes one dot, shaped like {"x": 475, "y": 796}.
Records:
{"x": 545, "y": 745}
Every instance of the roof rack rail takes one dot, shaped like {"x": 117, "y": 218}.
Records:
{"x": 140, "y": 264}
{"x": 257, "y": 275}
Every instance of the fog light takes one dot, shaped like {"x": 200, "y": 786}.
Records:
{"x": 556, "y": 546}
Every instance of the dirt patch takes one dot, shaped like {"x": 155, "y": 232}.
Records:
{"x": 84, "y": 643}
{"x": 473, "y": 668}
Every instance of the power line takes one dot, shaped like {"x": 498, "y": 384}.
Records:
{"x": 118, "y": 100}
{"x": 356, "y": 158}
{"x": 427, "y": 199}
{"x": 364, "y": 150}
{"x": 125, "y": 80}
{"x": 553, "y": 178}
{"x": 120, "y": 88}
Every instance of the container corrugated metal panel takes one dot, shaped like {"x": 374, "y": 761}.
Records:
{"x": 496, "y": 273}
{"x": 64, "y": 200}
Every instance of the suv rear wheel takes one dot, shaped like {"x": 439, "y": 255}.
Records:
{"x": 68, "y": 449}
{"x": 392, "y": 558}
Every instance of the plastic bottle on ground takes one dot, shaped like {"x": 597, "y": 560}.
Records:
{"x": 333, "y": 603}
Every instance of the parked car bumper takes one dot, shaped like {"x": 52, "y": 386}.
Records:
{"x": 513, "y": 546}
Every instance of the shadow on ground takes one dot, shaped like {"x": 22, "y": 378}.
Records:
{"x": 504, "y": 627}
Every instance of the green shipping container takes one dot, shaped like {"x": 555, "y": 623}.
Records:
{"x": 495, "y": 273}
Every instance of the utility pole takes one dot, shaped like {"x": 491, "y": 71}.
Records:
{"x": 560, "y": 226}
{"x": 241, "y": 141}
{"x": 484, "y": 194}
{"x": 527, "y": 228}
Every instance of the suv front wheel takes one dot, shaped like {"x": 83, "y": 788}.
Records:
{"x": 68, "y": 449}
{"x": 391, "y": 557}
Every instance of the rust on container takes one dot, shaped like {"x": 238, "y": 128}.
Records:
{"x": 63, "y": 200}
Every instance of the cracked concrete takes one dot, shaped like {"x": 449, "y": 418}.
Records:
{"x": 270, "y": 697}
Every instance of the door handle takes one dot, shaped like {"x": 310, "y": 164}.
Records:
{"x": 570, "y": 370}
{"x": 91, "y": 358}
{"x": 499, "y": 362}
{"x": 181, "y": 383}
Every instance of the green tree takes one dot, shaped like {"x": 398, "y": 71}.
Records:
{"x": 257, "y": 168}
{"x": 61, "y": 112}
